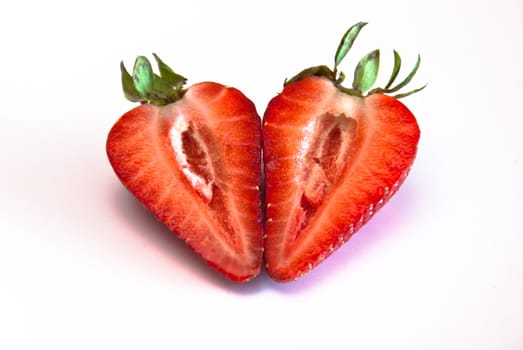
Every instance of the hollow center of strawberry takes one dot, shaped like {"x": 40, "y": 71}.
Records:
{"x": 194, "y": 147}
{"x": 328, "y": 151}
{"x": 190, "y": 148}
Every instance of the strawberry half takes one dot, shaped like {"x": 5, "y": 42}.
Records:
{"x": 333, "y": 156}
{"x": 192, "y": 157}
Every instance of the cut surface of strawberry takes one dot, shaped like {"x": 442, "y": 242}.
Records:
{"x": 332, "y": 157}
{"x": 192, "y": 157}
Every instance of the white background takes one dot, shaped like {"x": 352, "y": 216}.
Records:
{"x": 83, "y": 266}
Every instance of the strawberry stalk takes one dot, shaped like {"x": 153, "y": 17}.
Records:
{"x": 366, "y": 71}
{"x": 145, "y": 86}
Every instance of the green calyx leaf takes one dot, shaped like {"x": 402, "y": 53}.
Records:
{"x": 408, "y": 78}
{"x": 319, "y": 71}
{"x": 129, "y": 90}
{"x": 146, "y": 87}
{"x": 405, "y": 94}
{"x": 143, "y": 76}
{"x": 366, "y": 72}
{"x": 388, "y": 89}
{"x": 395, "y": 70}
{"x": 346, "y": 43}
{"x": 167, "y": 74}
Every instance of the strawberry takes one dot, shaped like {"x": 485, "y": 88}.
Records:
{"x": 192, "y": 157}
{"x": 333, "y": 156}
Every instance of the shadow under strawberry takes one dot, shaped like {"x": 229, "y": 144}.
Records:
{"x": 162, "y": 239}
{"x": 388, "y": 222}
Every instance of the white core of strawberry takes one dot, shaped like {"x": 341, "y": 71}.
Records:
{"x": 327, "y": 154}
{"x": 326, "y": 151}
{"x": 203, "y": 186}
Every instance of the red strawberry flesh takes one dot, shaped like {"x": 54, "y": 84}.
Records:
{"x": 331, "y": 161}
{"x": 195, "y": 164}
